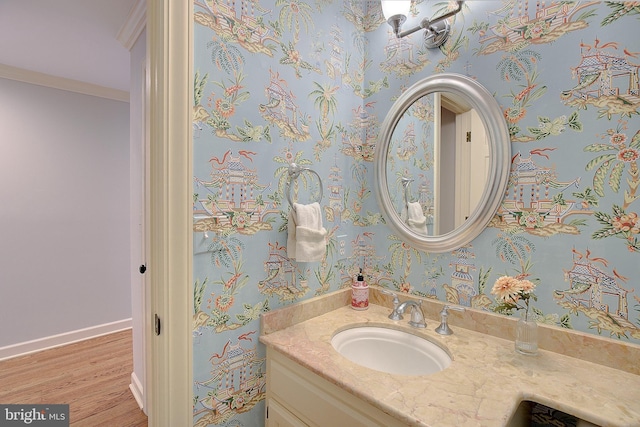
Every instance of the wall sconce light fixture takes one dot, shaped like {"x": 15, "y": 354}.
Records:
{"x": 436, "y": 29}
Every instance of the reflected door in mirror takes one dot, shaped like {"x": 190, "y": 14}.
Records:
{"x": 472, "y": 164}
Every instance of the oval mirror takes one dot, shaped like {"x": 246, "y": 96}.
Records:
{"x": 442, "y": 162}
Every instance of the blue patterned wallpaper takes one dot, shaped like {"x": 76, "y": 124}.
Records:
{"x": 310, "y": 82}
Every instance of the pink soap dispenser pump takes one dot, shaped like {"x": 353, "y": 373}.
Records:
{"x": 360, "y": 293}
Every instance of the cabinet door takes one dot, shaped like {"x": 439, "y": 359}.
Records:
{"x": 315, "y": 401}
{"x": 278, "y": 416}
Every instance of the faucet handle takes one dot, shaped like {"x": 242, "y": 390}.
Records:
{"x": 452, "y": 307}
{"x": 444, "y": 328}
{"x": 417, "y": 317}
{"x": 393, "y": 294}
{"x": 396, "y": 302}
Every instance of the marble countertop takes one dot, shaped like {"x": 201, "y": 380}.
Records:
{"x": 483, "y": 386}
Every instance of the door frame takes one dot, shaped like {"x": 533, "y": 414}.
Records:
{"x": 169, "y": 236}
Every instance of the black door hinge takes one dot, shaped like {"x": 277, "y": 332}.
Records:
{"x": 142, "y": 269}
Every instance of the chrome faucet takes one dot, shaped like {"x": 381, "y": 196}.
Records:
{"x": 444, "y": 328}
{"x": 417, "y": 317}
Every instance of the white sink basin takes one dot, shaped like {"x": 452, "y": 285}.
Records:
{"x": 390, "y": 350}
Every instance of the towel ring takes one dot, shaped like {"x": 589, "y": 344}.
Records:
{"x": 294, "y": 173}
{"x": 405, "y": 184}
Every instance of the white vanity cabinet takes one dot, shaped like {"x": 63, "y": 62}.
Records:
{"x": 297, "y": 397}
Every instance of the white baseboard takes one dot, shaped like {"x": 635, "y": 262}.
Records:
{"x": 27, "y": 347}
{"x": 138, "y": 391}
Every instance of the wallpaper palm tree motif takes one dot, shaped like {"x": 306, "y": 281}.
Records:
{"x": 310, "y": 82}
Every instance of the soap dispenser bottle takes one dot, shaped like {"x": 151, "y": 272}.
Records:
{"x": 359, "y": 293}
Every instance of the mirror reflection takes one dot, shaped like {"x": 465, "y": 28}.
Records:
{"x": 438, "y": 162}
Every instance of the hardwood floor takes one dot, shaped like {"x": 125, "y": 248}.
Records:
{"x": 91, "y": 376}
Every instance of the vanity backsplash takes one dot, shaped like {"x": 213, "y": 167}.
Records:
{"x": 603, "y": 351}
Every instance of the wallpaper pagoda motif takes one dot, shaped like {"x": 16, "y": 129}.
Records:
{"x": 310, "y": 82}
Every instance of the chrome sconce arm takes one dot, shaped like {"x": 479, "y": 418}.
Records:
{"x": 436, "y": 29}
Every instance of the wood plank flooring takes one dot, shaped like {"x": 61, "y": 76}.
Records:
{"x": 91, "y": 376}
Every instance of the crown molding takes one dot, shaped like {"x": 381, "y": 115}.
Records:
{"x": 133, "y": 26}
{"x": 42, "y": 79}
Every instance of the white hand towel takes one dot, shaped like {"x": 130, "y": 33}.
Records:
{"x": 291, "y": 235}
{"x": 306, "y": 239}
{"x": 416, "y": 219}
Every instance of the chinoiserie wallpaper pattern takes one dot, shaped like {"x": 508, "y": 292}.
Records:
{"x": 310, "y": 82}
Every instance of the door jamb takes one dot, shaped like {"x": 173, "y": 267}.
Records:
{"x": 169, "y": 250}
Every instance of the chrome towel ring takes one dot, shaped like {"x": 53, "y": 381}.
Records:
{"x": 407, "y": 191}
{"x": 294, "y": 173}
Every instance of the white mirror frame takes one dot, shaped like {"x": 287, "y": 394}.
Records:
{"x": 499, "y": 160}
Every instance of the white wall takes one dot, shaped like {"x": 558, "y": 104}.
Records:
{"x": 64, "y": 212}
{"x": 447, "y": 172}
